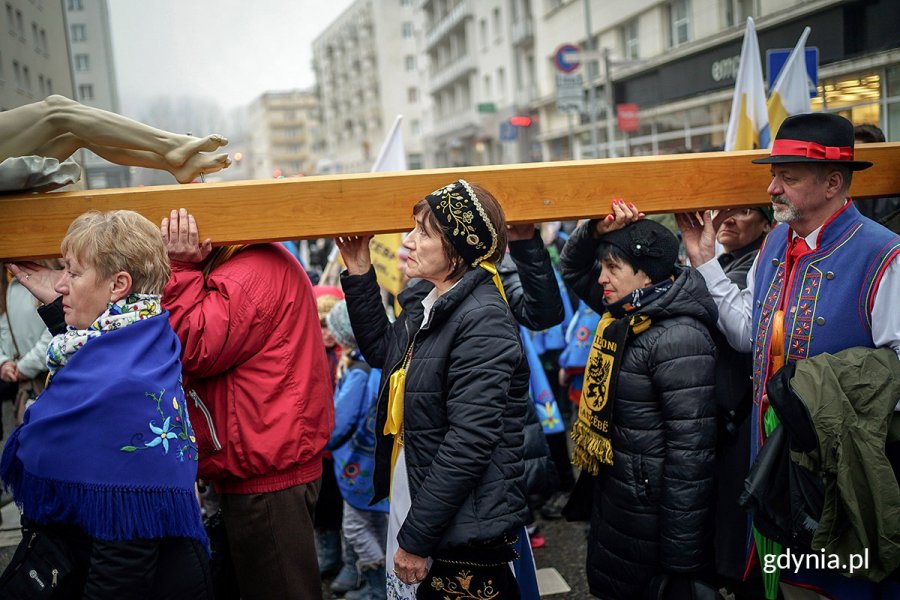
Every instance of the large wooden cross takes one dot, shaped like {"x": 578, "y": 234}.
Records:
{"x": 32, "y": 226}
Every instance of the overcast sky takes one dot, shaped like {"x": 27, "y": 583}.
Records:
{"x": 230, "y": 50}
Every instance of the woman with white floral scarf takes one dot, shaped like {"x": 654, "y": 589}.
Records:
{"x": 104, "y": 463}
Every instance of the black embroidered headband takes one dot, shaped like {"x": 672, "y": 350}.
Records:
{"x": 464, "y": 221}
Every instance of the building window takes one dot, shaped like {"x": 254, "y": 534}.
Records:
{"x": 498, "y": 34}
{"x": 75, "y": 5}
{"x": 501, "y": 83}
{"x": 44, "y": 40}
{"x": 86, "y": 91}
{"x": 553, "y": 4}
{"x": 9, "y": 18}
{"x": 679, "y": 22}
{"x": 42, "y": 85}
{"x": 737, "y": 11}
{"x": 82, "y": 62}
{"x": 17, "y": 70}
{"x": 407, "y": 29}
{"x": 35, "y": 38}
{"x": 412, "y": 95}
{"x": 482, "y": 26}
{"x": 410, "y": 62}
{"x": 79, "y": 34}
{"x": 20, "y": 24}
{"x": 415, "y": 127}
{"x": 26, "y": 78}
{"x": 488, "y": 94}
{"x": 1, "y": 67}
{"x": 49, "y": 86}
{"x": 405, "y": 2}
{"x": 630, "y": 44}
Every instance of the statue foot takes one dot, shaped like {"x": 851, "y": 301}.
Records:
{"x": 201, "y": 163}
{"x": 190, "y": 148}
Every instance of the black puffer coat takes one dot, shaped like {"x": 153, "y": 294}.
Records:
{"x": 651, "y": 509}
{"x": 465, "y": 401}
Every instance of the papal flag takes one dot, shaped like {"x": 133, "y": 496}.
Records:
{"x": 748, "y": 127}
{"x": 790, "y": 94}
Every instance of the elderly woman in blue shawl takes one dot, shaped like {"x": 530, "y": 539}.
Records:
{"x": 104, "y": 463}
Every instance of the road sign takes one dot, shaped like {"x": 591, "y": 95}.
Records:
{"x": 487, "y": 107}
{"x": 628, "y": 117}
{"x": 508, "y": 132}
{"x": 564, "y": 60}
{"x": 776, "y": 58}
{"x": 569, "y": 92}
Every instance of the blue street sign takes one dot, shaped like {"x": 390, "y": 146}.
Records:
{"x": 775, "y": 60}
{"x": 563, "y": 58}
{"x": 508, "y": 132}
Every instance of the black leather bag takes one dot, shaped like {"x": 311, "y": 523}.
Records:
{"x": 43, "y": 566}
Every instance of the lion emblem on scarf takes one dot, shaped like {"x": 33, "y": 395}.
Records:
{"x": 597, "y": 374}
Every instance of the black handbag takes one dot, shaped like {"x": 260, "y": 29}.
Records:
{"x": 43, "y": 566}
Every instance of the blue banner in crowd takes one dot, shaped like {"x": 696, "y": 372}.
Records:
{"x": 541, "y": 394}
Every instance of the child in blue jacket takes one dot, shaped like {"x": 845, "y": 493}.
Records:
{"x": 353, "y": 445}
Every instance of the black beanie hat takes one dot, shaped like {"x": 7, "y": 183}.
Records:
{"x": 649, "y": 247}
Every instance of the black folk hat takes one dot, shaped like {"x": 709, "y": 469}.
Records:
{"x": 815, "y": 138}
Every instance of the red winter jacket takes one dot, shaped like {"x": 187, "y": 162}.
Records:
{"x": 255, "y": 374}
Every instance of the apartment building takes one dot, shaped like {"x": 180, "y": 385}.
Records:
{"x": 368, "y": 70}
{"x": 94, "y": 81}
{"x": 34, "y": 55}
{"x": 480, "y": 78}
{"x": 677, "y": 61}
{"x": 283, "y": 128}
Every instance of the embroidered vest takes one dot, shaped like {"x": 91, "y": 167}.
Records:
{"x": 829, "y": 298}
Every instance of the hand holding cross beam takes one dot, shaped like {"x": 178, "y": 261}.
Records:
{"x": 182, "y": 238}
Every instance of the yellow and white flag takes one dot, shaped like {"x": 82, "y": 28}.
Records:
{"x": 748, "y": 127}
{"x": 790, "y": 94}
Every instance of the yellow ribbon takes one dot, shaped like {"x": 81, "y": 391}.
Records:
{"x": 394, "y": 424}
{"x": 495, "y": 276}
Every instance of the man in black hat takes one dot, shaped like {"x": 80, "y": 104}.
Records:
{"x": 827, "y": 274}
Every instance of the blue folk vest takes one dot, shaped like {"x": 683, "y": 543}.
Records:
{"x": 828, "y": 300}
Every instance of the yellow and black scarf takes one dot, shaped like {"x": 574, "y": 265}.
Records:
{"x": 592, "y": 431}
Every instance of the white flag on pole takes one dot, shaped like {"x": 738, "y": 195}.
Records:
{"x": 748, "y": 127}
{"x": 790, "y": 94}
{"x": 392, "y": 156}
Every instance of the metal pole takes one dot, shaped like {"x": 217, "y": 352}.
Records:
{"x": 571, "y": 136}
{"x": 610, "y": 109}
{"x": 592, "y": 96}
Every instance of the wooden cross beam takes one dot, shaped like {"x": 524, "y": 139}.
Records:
{"x": 33, "y": 225}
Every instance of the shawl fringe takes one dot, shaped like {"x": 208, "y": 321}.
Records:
{"x": 104, "y": 512}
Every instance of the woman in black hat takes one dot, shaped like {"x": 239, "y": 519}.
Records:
{"x": 646, "y": 430}
{"x": 453, "y": 401}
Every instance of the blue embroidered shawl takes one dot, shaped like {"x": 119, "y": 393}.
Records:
{"x": 108, "y": 445}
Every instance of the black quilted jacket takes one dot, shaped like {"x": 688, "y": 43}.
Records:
{"x": 465, "y": 406}
{"x": 651, "y": 509}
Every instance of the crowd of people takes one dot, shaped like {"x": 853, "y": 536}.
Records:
{"x": 185, "y": 429}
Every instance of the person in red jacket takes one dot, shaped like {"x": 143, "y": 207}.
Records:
{"x": 259, "y": 393}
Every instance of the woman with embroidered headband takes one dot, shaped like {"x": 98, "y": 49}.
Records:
{"x": 453, "y": 400}
{"x": 104, "y": 463}
{"x": 646, "y": 430}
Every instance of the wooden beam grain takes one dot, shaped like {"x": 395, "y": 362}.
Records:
{"x": 33, "y": 225}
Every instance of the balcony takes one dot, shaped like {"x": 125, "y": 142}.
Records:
{"x": 461, "y": 67}
{"x": 457, "y": 15}
{"x": 462, "y": 123}
{"x": 523, "y": 32}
